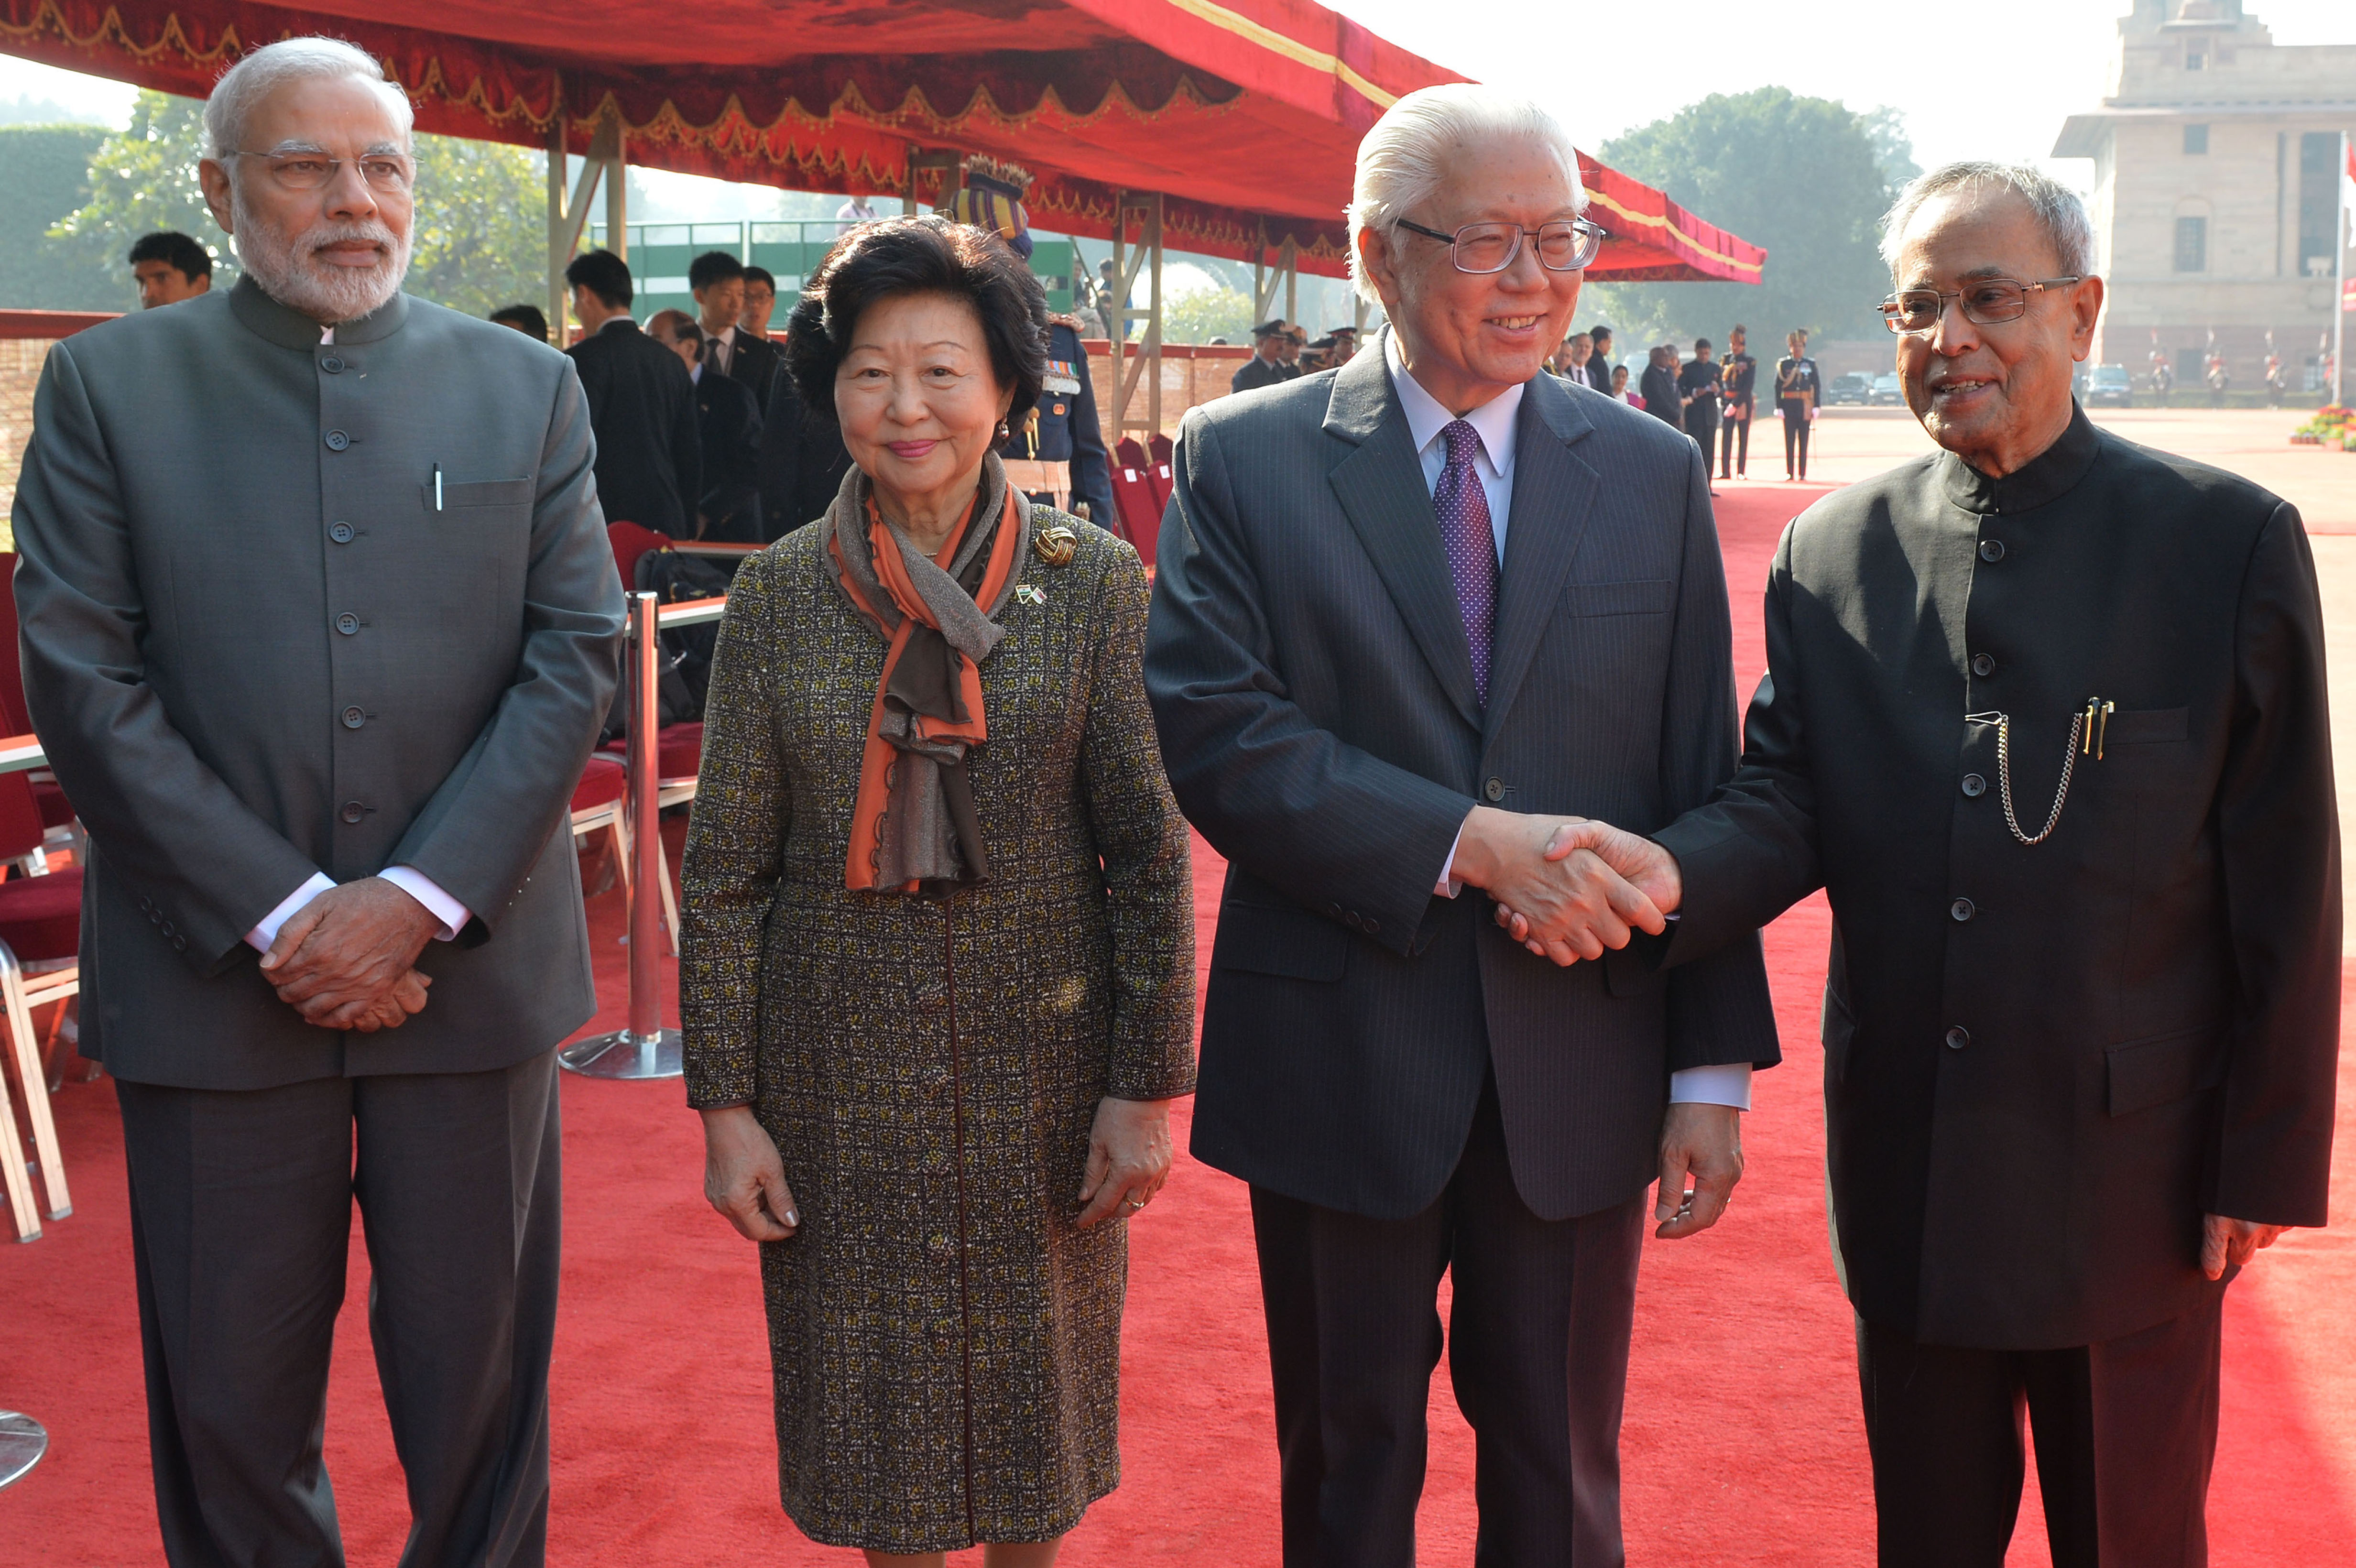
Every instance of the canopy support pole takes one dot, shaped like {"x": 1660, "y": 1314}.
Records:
{"x": 560, "y": 250}
{"x": 946, "y": 159}
{"x": 1265, "y": 279}
{"x": 1146, "y": 206}
{"x": 568, "y": 219}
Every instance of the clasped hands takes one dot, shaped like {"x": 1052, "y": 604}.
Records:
{"x": 347, "y": 960}
{"x": 1567, "y": 888}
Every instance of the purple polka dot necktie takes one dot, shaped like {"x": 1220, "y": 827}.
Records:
{"x": 1471, "y": 544}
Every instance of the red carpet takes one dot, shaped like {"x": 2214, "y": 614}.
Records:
{"x": 1743, "y": 1447}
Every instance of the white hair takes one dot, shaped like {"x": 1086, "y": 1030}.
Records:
{"x": 271, "y": 67}
{"x": 2057, "y": 208}
{"x": 1405, "y": 156}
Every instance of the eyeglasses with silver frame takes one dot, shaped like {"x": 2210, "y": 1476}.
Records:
{"x": 1986, "y": 301}
{"x": 392, "y": 174}
{"x": 1564, "y": 246}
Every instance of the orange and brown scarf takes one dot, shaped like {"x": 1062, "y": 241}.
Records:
{"x": 914, "y": 830}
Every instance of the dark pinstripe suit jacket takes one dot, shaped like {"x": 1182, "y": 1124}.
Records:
{"x": 1309, "y": 674}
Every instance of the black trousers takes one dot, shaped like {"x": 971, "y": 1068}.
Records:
{"x": 1537, "y": 1346}
{"x": 1702, "y": 425}
{"x": 240, "y": 1217}
{"x": 1796, "y": 437}
{"x": 1734, "y": 448}
{"x": 2125, "y": 1432}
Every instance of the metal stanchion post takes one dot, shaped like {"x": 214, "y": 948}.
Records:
{"x": 645, "y": 1049}
{"x": 22, "y": 1444}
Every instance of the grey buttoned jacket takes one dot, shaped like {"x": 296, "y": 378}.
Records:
{"x": 291, "y": 607}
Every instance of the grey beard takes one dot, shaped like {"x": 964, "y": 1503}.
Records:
{"x": 287, "y": 270}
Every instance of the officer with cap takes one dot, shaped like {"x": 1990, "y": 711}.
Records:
{"x": 1057, "y": 454}
{"x": 1266, "y": 367}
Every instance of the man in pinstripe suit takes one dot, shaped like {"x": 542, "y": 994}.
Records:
{"x": 1411, "y": 615}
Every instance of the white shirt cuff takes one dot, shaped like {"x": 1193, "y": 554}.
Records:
{"x": 263, "y": 935}
{"x": 453, "y": 914}
{"x": 1712, "y": 1086}
{"x": 1448, "y": 886}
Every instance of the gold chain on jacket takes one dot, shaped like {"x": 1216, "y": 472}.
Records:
{"x": 2088, "y": 729}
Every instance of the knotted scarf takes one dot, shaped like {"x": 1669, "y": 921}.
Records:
{"x": 914, "y": 830}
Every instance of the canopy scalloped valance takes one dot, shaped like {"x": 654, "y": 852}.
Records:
{"x": 1245, "y": 117}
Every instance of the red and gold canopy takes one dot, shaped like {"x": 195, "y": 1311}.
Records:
{"x": 1241, "y": 113}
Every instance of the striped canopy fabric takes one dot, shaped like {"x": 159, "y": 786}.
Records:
{"x": 1244, "y": 114}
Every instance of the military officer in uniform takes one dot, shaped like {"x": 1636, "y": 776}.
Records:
{"x": 1266, "y": 367}
{"x": 1738, "y": 374}
{"x": 1057, "y": 454}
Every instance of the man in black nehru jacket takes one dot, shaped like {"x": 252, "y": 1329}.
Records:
{"x": 2044, "y": 713}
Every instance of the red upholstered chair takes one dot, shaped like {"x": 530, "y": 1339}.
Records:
{"x": 1158, "y": 471}
{"x": 41, "y": 923}
{"x": 1140, "y": 513}
{"x": 14, "y": 716}
{"x": 1128, "y": 453}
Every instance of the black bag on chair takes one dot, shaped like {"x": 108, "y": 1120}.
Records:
{"x": 684, "y": 670}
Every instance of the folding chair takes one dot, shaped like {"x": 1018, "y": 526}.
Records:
{"x": 41, "y": 923}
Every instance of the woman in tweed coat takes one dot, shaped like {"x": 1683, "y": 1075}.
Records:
{"x": 938, "y": 972}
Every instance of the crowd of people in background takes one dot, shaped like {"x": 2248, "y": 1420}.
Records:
{"x": 756, "y": 468}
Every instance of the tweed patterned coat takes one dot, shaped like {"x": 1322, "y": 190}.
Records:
{"x": 946, "y": 1343}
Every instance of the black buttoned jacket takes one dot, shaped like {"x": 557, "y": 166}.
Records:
{"x": 649, "y": 448}
{"x": 729, "y": 418}
{"x": 753, "y": 364}
{"x": 2043, "y": 1063}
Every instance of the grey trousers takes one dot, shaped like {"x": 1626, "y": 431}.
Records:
{"x": 241, "y": 1214}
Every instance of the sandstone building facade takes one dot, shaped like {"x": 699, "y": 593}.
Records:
{"x": 2216, "y": 159}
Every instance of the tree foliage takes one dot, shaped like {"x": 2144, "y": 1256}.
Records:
{"x": 44, "y": 175}
{"x": 481, "y": 225}
{"x": 478, "y": 239}
{"x": 1807, "y": 179}
{"x": 144, "y": 178}
{"x": 1200, "y": 314}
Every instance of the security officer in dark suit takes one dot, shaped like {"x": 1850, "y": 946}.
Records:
{"x": 717, "y": 280}
{"x": 729, "y": 420}
{"x": 641, "y": 405}
{"x": 801, "y": 462}
{"x": 1266, "y": 367}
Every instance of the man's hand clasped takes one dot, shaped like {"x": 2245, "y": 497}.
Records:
{"x": 347, "y": 960}
{"x": 1567, "y": 888}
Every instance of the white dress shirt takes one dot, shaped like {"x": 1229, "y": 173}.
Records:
{"x": 1493, "y": 421}
{"x": 720, "y": 348}
{"x": 453, "y": 914}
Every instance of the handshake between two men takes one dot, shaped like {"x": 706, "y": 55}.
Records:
{"x": 347, "y": 960}
{"x": 1569, "y": 888}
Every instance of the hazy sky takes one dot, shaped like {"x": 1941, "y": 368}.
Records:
{"x": 1997, "y": 79}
